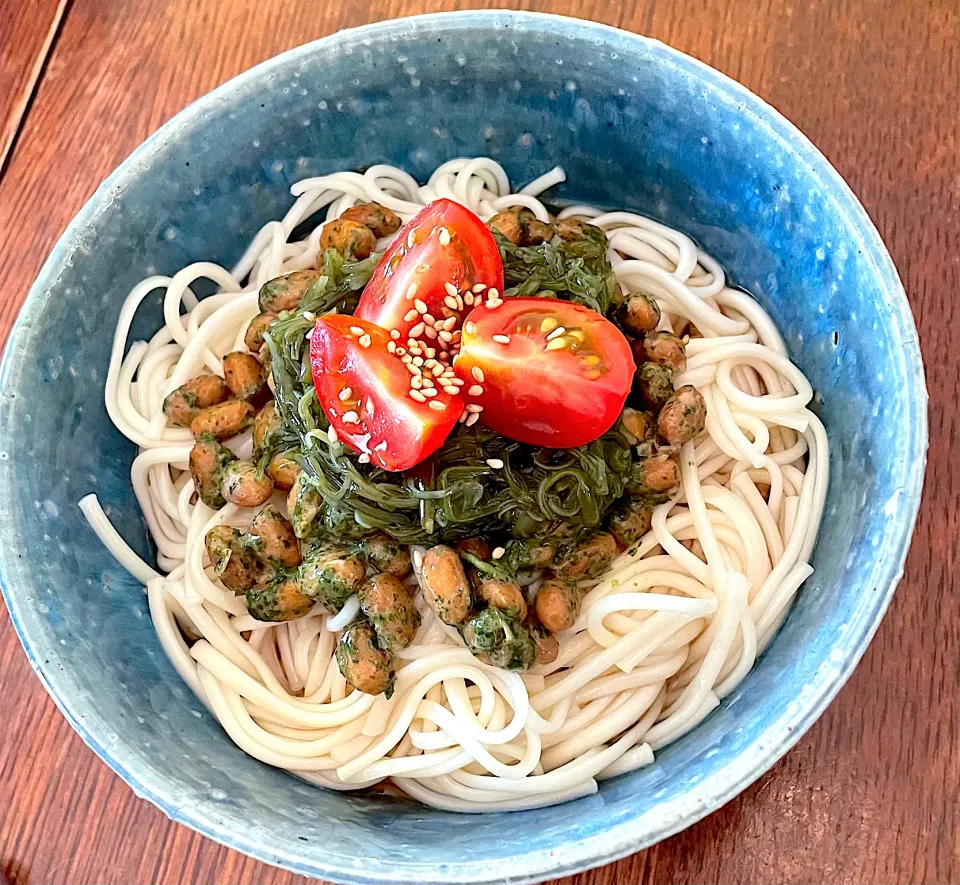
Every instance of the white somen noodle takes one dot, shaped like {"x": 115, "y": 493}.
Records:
{"x": 671, "y": 628}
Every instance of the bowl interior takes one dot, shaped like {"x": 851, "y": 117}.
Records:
{"x": 636, "y": 126}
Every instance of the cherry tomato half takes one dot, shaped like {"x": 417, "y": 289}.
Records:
{"x": 547, "y": 372}
{"x": 372, "y": 399}
{"x": 445, "y": 245}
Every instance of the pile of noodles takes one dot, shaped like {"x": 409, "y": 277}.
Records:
{"x": 671, "y": 628}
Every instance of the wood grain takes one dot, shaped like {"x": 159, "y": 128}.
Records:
{"x": 870, "y": 794}
{"x": 27, "y": 31}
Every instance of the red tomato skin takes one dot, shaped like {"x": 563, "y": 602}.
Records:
{"x": 412, "y": 430}
{"x": 541, "y": 397}
{"x": 469, "y": 258}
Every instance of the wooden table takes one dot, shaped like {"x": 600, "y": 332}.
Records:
{"x": 870, "y": 793}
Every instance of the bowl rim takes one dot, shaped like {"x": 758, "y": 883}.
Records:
{"x": 619, "y": 840}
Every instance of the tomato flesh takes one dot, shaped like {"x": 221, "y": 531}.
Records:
{"x": 445, "y": 245}
{"x": 546, "y": 372}
{"x": 365, "y": 391}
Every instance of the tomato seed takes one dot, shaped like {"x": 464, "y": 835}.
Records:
{"x": 475, "y": 390}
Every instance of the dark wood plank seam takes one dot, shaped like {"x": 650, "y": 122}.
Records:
{"x": 21, "y": 113}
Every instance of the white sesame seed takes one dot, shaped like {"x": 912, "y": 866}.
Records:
{"x": 427, "y": 382}
{"x": 332, "y": 433}
{"x": 418, "y": 558}
{"x": 451, "y": 302}
{"x": 437, "y": 405}
{"x": 475, "y": 390}
{"x": 445, "y": 336}
{"x": 391, "y": 347}
{"x": 345, "y": 394}
{"x": 401, "y": 351}
{"x": 428, "y": 318}
{"x": 365, "y": 341}
{"x": 419, "y": 397}
{"x": 495, "y": 463}
{"x": 470, "y": 328}
{"x": 431, "y": 352}
{"x": 410, "y": 316}
{"x": 350, "y": 417}
{"x": 417, "y": 330}
{"x": 406, "y": 358}
{"x": 502, "y": 339}
{"x": 395, "y": 334}
{"x": 429, "y": 391}
{"x": 449, "y": 323}
{"x": 479, "y": 287}
{"x": 416, "y": 382}
{"x": 474, "y": 407}
{"x": 429, "y": 362}
{"x": 444, "y": 237}
{"x": 556, "y": 344}
{"x": 364, "y": 458}
{"x": 450, "y": 289}
{"x": 430, "y": 332}
{"x": 418, "y": 360}
{"x": 411, "y": 291}
{"x": 468, "y": 299}
{"x": 477, "y": 373}
{"x": 449, "y": 388}
{"x": 457, "y": 381}
{"x": 356, "y": 330}
{"x": 420, "y": 306}
{"x": 410, "y": 240}
{"x": 380, "y": 447}
{"x": 412, "y": 369}
{"x": 472, "y": 419}
{"x": 498, "y": 552}
{"x": 437, "y": 370}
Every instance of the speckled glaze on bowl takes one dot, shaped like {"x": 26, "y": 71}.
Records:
{"x": 637, "y": 125}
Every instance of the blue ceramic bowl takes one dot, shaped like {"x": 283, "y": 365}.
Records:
{"x": 636, "y": 125}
